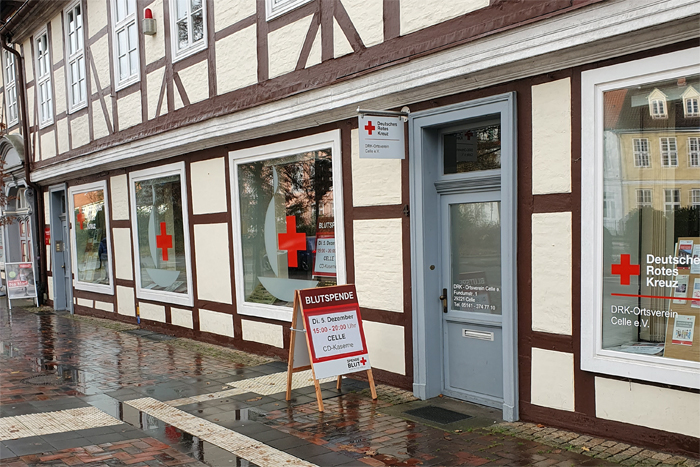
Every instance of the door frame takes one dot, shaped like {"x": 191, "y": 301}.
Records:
{"x": 424, "y": 141}
{"x": 59, "y": 287}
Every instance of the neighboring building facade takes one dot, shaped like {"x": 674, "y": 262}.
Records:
{"x": 200, "y": 175}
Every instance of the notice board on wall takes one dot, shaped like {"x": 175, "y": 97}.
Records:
{"x": 683, "y": 330}
{"x": 334, "y": 340}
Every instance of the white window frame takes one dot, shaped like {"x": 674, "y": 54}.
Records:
{"x": 317, "y": 142}
{"x": 10, "y": 80}
{"x": 274, "y": 8}
{"x": 117, "y": 27}
{"x": 658, "y": 108}
{"x": 88, "y": 286}
{"x": 694, "y": 197}
{"x": 192, "y": 48}
{"x": 675, "y": 202}
{"x": 43, "y": 79}
{"x": 691, "y": 106}
{"x": 77, "y": 57}
{"x": 641, "y": 155}
{"x": 175, "y": 298}
{"x": 644, "y": 202}
{"x": 694, "y": 152}
{"x": 593, "y": 83}
{"x": 669, "y": 155}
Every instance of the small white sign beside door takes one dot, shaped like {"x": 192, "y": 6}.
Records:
{"x": 381, "y": 137}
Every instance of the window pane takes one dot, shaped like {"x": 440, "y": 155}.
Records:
{"x": 89, "y": 228}
{"x": 182, "y": 37}
{"x": 121, "y": 7}
{"x": 475, "y": 259}
{"x": 181, "y": 9}
{"x": 161, "y": 241}
{"x": 472, "y": 149}
{"x": 651, "y": 246}
{"x": 196, "y": 5}
{"x": 197, "y": 26}
{"x": 287, "y": 243}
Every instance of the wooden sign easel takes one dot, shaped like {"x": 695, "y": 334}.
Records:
{"x": 303, "y": 355}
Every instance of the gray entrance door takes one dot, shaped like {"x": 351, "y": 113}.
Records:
{"x": 463, "y": 227}
{"x": 471, "y": 302}
{"x": 60, "y": 250}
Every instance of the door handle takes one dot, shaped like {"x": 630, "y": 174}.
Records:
{"x": 443, "y": 297}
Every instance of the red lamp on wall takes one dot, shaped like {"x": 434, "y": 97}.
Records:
{"x": 149, "y": 24}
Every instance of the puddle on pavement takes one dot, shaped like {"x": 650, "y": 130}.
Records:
{"x": 184, "y": 442}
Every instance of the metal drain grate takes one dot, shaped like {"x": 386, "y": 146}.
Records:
{"x": 437, "y": 414}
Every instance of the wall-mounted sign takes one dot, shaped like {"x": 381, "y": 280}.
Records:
{"x": 335, "y": 340}
{"x": 47, "y": 236}
{"x": 381, "y": 137}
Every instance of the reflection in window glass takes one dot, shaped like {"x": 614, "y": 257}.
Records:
{"x": 473, "y": 149}
{"x": 475, "y": 239}
{"x": 651, "y": 240}
{"x": 287, "y": 226}
{"x": 90, "y": 230}
{"x": 161, "y": 241}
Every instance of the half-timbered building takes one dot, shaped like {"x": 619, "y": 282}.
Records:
{"x": 534, "y": 249}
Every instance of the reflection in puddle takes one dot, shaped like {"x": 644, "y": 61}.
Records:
{"x": 181, "y": 440}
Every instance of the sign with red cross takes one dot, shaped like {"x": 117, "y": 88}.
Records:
{"x": 335, "y": 338}
{"x": 625, "y": 269}
{"x": 164, "y": 241}
{"x": 292, "y": 242}
{"x": 381, "y": 137}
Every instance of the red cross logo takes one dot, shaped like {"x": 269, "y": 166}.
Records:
{"x": 625, "y": 269}
{"x": 292, "y": 241}
{"x": 363, "y": 361}
{"x": 370, "y": 128}
{"x": 164, "y": 241}
{"x": 469, "y": 135}
{"x": 80, "y": 218}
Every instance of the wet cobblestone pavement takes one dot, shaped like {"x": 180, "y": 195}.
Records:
{"x": 84, "y": 392}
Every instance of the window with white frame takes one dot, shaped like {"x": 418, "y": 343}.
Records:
{"x": 669, "y": 152}
{"x": 188, "y": 24}
{"x": 77, "y": 92}
{"x": 43, "y": 79}
{"x": 644, "y": 197}
{"x": 608, "y": 206}
{"x": 90, "y": 237}
{"x": 672, "y": 199}
{"x": 657, "y": 105}
{"x": 694, "y": 152}
{"x": 161, "y": 234}
{"x": 8, "y": 66}
{"x": 126, "y": 45}
{"x": 285, "y": 237}
{"x": 275, "y": 8}
{"x": 691, "y": 107}
{"x": 690, "y": 102}
{"x": 639, "y": 274}
{"x": 695, "y": 197}
{"x": 641, "y": 152}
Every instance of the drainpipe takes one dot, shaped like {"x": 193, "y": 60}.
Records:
{"x": 38, "y": 200}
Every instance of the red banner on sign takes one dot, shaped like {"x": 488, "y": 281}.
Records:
{"x": 47, "y": 235}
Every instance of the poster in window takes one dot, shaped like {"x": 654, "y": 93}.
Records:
{"x": 695, "y": 303}
{"x": 681, "y": 290}
{"x": 683, "y": 330}
{"x": 324, "y": 256}
{"x": 695, "y": 264}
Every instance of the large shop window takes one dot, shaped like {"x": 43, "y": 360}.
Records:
{"x": 288, "y": 223}
{"x": 161, "y": 234}
{"x": 641, "y": 261}
{"x": 90, "y": 239}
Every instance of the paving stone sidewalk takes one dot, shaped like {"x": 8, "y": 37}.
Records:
{"x": 52, "y": 362}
